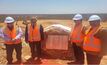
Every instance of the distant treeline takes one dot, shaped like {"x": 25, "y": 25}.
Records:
{"x": 48, "y": 16}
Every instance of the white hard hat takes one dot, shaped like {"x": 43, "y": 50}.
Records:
{"x": 78, "y": 17}
{"x": 94, "y": 18}
{"x": 9, "y": 20}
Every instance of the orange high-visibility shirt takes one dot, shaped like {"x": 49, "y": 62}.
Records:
{"x": 34, "y": 34}
{"x": 11, "y": 34}
{"x": 91, "y": 43}
{"x": 77, "y": 35}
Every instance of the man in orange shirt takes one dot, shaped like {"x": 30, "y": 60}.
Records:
{"x": 35, "y": 37}
{"x": 12, "y": 39}
{"x": 77, "y": 38}
{"x": 92, "y": 44}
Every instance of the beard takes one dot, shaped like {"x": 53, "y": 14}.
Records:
{"x": 10, "y": 27}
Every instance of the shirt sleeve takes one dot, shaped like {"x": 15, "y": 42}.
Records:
{"x": 1, "y": 33}
{"x": 20, "y": 33}
{"x": 98, "y": 34}
{"x": 26, "y": 33}
{"x": 42, "y": 32}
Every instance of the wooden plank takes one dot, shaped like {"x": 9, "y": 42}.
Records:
{"x": 59, "y": 42}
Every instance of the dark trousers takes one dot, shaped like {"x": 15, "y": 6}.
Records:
{"x": 35, "y": 47}
{"x": 79, "y": 54}
{"x": 10, "y": 49}
{"x": 93, "y": 59}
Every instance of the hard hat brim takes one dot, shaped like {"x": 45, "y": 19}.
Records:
{"x": 9, "y": 21}
{"x": 76, "y": 19}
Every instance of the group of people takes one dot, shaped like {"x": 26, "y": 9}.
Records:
{"x": 82, "y": 38}
{"x": 12, "y": 39}
{"x": 85, "y": 39}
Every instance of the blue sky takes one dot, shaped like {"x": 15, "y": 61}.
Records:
{"x": 52, "y": 6}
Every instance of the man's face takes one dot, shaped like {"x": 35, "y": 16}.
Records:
{"x": 77, "y": 22}
{"x": 10, "y": 25}
{"x": 33, "y": 22}
{"x": 95, "y": 23}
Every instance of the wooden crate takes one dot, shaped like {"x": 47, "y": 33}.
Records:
{"x": 57, "y": 46}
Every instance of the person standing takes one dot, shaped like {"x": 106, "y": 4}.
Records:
{"x": 77, "y": 38}
{"x": 35, "y": 37}
{"x": 12, "y": 39}
{"x": 92, "y": 44}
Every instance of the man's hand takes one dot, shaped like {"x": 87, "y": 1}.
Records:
{"x": 13, "y": 40}
{"x": 69, "y": 41}
{"x": 80, "y": 44}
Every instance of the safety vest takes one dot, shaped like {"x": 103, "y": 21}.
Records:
{"x": 11, "y": 34}
{"x": 34, "y": 33}
{"x": 77, "y": 35}
{"x": 92, "y": 43}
